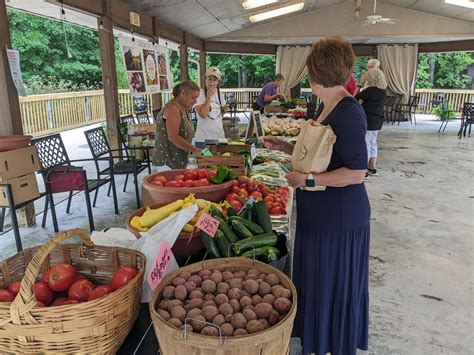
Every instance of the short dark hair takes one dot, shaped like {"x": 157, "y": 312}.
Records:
{"x": 279, "y": 77}
{"x": 330, "y": 62}
{"x": 185, "y": 86}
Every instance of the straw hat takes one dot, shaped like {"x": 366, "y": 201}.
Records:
{"x": 213, "y": 71}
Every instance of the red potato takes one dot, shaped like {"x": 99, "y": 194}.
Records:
{"x": 283, "y": 305}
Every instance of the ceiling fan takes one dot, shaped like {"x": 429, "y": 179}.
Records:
{"x": 375, "y": 19}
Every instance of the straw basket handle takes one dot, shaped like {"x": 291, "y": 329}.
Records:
{"x": 25, "y": 300}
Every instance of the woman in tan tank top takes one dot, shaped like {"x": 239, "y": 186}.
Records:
{"x": 174, "y": 129}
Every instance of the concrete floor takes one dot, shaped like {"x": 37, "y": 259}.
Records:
{"x": 421, "y": 264}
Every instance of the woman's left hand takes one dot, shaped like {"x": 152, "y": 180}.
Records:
{"x": 296, "y": 179}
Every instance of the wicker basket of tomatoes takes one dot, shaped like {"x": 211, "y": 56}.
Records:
{"x": 70, "y": 298}
{"x": 168, "y": 186}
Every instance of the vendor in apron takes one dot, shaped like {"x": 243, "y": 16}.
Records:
{"x": 210, "y": 108}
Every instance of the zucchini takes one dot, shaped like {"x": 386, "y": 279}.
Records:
{"x": 231, "y": 212}
{"x": 228, "y": 232}
{"x": 241, "y": 230}
{"x": 210, "y": 245}
{"x": 252, "y": 227}
{"x": 215, "y": 212}
{"x": 223, "y": 244}
{"x": 263, "y": 217}
{"x": 269, "y": 254}
{"x": 262, "y": 240}
{"x": 247, "y": 212}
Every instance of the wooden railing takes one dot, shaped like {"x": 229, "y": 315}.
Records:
{"x": 45, "y": 114}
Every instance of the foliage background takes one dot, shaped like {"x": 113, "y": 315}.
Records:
{"x": 47, "y": 67}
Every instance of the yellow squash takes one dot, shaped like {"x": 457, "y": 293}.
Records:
{"x": 152, "y": 217}
{"x": 135, "y": 223}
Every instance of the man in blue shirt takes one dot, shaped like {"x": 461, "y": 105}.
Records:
{"x": 268, "y": 93}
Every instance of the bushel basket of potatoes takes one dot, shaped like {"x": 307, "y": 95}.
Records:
{"x": 224, "y": 306}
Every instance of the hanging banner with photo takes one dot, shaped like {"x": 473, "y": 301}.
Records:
{"x": 14, "y": 62}
{"x": 147, "y": 66}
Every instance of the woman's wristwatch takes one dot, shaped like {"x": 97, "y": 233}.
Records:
{"x": 310, "y": 180}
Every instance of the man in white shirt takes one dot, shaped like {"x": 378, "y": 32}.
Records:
{"x": 210, "y": 108}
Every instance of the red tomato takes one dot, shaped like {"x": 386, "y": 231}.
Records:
{"x": 58, "y": 301}
{"x": 261, "y": 185}
{"x": 286, "y": 188}
{"x": 179, "y": 178}
{"x": 279, "y": 200}
{"x": 180, "y": 183}
{"x": 100, "y": 291}
{"x": 160, "y": 178}
{"x": 14, "y": 287}
{"x": 156, "y": 182}
{"x": 61, "y": 277}
{"x": 45, "y": 276}
{"x": 204, "y": 182}
{"x": 235, "y": 189}
{"x": 232, "y": 197}
{"x": 196, "y": 183}
{"x": 201, "y": 174}
{"x": 236, "y": 183}
{"x": 40, "y": 304}
{"x": 264, "y": 191}
{"x": 268, "y": 198}
{"x": 6, "y": 296}
{"x": 123, "y": 276}
{"x": 278, "y": 204}
{"x": 70, "y": 302}
{"x": 190, "y": 174}
{"x": 243, "y": 186}
{"x": 80, "y": 290}
{"x": 277, "y": 211}
{"x": 243, "y": 193}
{"x": 211, "y": 172}
{"x": 43, "y": 293}
{"x": 236, "y": 205}
{"x": 172, "y": 183}
{"x": 283, "y": 192}
{"x": 269, "y": 205}
{"x": 188, "y": 183}
{"x": 251, "y": 186}
{"x": 256, "y": 195}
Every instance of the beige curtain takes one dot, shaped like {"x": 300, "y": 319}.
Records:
{"x": 290, "y": 62}
{"x": 399, "y": 63}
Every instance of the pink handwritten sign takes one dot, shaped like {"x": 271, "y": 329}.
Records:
{"x": 160, "y": 265}
{"x": 207, "y": 224}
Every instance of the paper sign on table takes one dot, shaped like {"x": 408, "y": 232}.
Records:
{"x": 253, "y": 151}
{"x": 206, "y": 152}
{"x": 207, "y": 224}
{"x": 158, "y": 268}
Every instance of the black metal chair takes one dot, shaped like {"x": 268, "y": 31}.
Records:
{"x": 408, "y": 109}
{"x": 142, "y": 117}
{"x": 467, "y": 119}
{"x": 13, "y": 206}
{"x": 388, "y": 107}
{"x": 100, "y": 149}
{"x": 438, "y": 98}
{"x": 444, "y": 104}
{"x": 53, "y": 155}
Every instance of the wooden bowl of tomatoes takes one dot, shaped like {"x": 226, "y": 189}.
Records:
{"x": 170, "y": 185}
{"x": 183, "y": 247}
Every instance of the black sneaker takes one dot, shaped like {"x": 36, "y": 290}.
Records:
{"x": 366, "y": 178}
{"x": 373, "y": 172}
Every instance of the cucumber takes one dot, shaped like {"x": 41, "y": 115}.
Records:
{"x": 231, "y": 212}
{"x": 215, "y": 212}
{"x": 263, "y": 217}
{"x": 223, "y": 244}
{"x": 228, "y": 232}
{"x": 241, "y": 230}
{"x": 247, "y": 212}
{"x": 252, "y": 227}
{"x": 210, "y": 245}
{"x": 262, "y": 240}
{"x": 269, "y": 254}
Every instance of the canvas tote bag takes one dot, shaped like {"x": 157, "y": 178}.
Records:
{"x": 313, "y": 150}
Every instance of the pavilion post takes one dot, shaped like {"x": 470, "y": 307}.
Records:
{"x": 202, "y": 68}
{"x": 109, "y": 79}
{"x": 183, "y": 62}
{"x": 10, "y": 122}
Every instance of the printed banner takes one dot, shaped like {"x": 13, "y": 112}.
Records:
{"x": 14, "y": 61}
{"x": 147, "y": 66}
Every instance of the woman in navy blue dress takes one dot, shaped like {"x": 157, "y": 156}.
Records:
{"x": 331, "y": 256}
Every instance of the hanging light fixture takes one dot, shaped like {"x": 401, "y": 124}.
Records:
{"x": 277, "y": 12}
{"x": 252, "y": 4}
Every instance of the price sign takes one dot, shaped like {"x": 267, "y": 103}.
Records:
{"x": 207, "y": 224}
{"x": 253, "y": 151}
{"x": 158, "y": 268}
{"x": 206, "y": 152}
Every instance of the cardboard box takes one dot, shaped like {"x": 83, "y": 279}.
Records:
{"x": 24, "y": 188}
{"x": 18, "y": 162}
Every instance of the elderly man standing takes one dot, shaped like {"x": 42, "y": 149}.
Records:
{"x": 371, "y": 64}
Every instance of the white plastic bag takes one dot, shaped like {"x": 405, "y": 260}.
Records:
{"x": 150, "y": 242}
